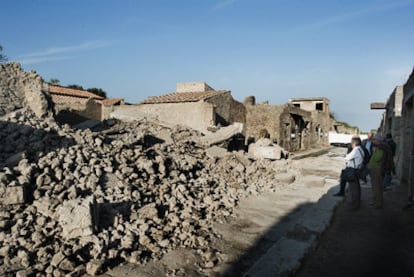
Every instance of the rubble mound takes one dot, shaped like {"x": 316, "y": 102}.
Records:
{"x": 81, "y": 200}
{"x": 20, "y": 89}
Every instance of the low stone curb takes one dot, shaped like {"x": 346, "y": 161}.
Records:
{"x": 285, "y": 256}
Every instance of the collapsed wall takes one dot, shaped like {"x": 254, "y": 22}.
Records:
{"x": 20, "y": 89}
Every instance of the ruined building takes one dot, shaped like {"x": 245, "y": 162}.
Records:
{"x": 19, "y": 89}
{"x": 75, "y": 105}
{"x": 196, "y": 105}
{"x": 321, "y": 117}
{"x": 398, "y": 119}
{"x": 283, "y": 124}
{"x": 392, "y": 119}
{"x": 301, "y": 124}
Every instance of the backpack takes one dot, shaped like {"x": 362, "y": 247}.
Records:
{"x": 366, "y": 155}
{"x": 363, "y": 172}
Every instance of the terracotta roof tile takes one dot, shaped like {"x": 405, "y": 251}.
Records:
{"x": 179, "y": 97}
{"x": 73, "y": 92}
{"x": 111, "y": 101}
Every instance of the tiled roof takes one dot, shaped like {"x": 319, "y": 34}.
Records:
{"x": 111, "y": 101}
{"x": 73, "y": 92}
{"x": 180, "y": 97}
{"x": 63, "y": 99}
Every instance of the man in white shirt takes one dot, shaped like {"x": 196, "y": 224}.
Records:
{"x": 354, "y": 159}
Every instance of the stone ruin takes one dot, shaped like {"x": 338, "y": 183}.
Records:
{"x": 76, "y": 201}
{"x": 20, "y": 89}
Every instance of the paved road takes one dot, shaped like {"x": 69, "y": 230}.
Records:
{"x": 367, "y": 242}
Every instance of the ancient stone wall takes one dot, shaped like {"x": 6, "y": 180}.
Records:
{"x": 75, "y": 113}
{"x": 20, "y": 89}
{"x": 263, "y": 117}
{"x": 228, "y": 110}
{"x": 405, "y": 148}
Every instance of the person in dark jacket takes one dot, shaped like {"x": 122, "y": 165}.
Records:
{"x": 367, "y": 143}
{"x": 393, "y": 148}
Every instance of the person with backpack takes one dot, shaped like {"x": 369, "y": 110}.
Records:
{"x": 378, "y": 165}
{"x": 354, "y": 163}
{"x": 392, "y": 147}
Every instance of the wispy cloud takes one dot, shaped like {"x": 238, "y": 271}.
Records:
{"x": 355, "y": 14}
{"x": 221, "y": 4}
{"x": 36, "y": 60}
{"x": 55, "y": 53}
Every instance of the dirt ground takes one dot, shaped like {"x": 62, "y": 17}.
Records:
{"x": 366, "y": 242}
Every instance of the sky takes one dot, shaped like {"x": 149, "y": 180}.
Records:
{"x": 353, "y": 52}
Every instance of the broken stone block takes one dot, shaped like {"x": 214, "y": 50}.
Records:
{"x": 78, "y": 217}
{"x": 94, "y": 267}
{"x": 148, "y": 211}
{"x": 273, "y": 152}
{"x": 15, "y": 159}
{"x": 14, "y": 195}
{"x": 222, "y": 134}
{"x": 57, "y": 259}
{"x": 77, "y": 272}
{"x": 43, "y": 206}
{"x": 21, "y": 273}
{"x": 215, "y": 152}
{"x": 67, "y": 265}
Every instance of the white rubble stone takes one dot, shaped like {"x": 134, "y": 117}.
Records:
{"x": 14, "y": 195}
{"x": 78, "y": 217}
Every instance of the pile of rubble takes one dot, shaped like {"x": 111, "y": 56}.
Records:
{"x": 79, "y": 200}
{"x": 76, "y": 201}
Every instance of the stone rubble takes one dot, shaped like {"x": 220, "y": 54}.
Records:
{"x": 76, "y": 201}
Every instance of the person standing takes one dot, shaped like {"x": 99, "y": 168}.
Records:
{"x": 367, "y": 143}
{"x": 392, "y": 148}
{"x": 354, "y": 159}
{"x": 375, "y": 166}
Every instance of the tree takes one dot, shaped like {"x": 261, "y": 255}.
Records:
{"x": 75, "y": 87}
{"x": 97, "y": 91}
{"x": 54, "y": 81}
{"x": 3, "y": 58}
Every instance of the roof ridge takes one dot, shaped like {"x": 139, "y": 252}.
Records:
{"x": 73, "y": 92}
{"x": 182, "y": 97}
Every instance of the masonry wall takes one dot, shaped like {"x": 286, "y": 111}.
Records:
{"x": 196, "y": 115}
{"x": 263, "y": 117}
{"x": 20, "y": 89}
{"x": 405, "y": 151}
{"x": 193, "y": 87}
{"x": 107, "y": 110}
{"x": 77, "y": 112}
{"x": 322, "y": 124}
{"x": 228, "y": 110}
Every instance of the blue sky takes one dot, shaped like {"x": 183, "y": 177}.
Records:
{"x": 353, "y": 52}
